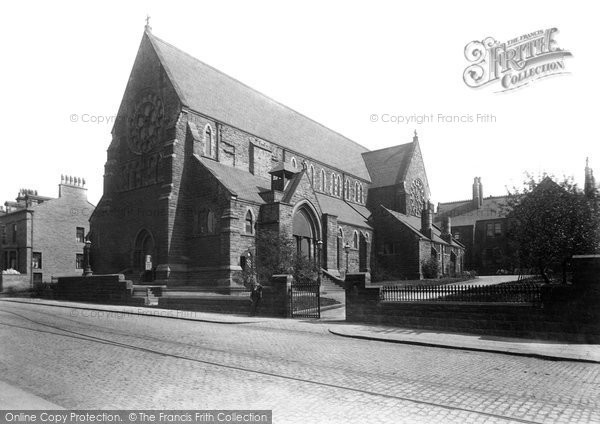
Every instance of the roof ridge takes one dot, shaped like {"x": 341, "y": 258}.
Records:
{"x": 470, "y": 200}
{"x": 455, "y": 201}
{"x": 250, "y": 88}
{"x": 386, "y": 148}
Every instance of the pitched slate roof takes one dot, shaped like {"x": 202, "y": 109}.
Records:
{"x": 237, "y": 181}
{"x": 414, "y": 223}
{"x": 209, "y": 91}
{"x": 344, "y": 211}
{"x": 464, "y": 213}
{"x": 388, "y": 166}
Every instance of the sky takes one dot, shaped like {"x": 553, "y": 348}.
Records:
{"x": 351, "y": 66}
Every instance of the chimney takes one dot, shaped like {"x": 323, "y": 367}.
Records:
{"x": 427, "y": 219}
{"x": 589, "y": 187}
{"x": 480, "y": 191}
{"x": 73, "y": 186}
{"x": 477, "y": 192}
{"x": 446, "y": 229}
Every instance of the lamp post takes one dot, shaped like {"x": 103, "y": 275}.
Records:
{"x": 319, "y": 253}
{"x": 87, "y": 268}
{"x": 347, "y": 250}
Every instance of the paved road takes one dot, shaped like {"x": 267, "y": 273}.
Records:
{"x": 79, "y": 360}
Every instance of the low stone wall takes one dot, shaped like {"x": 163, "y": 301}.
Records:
{"x": 274, "y": 303}
{"x": 108, "y": 288}
{"x": 11, "y": 283}
{"x": 567, "y": 314}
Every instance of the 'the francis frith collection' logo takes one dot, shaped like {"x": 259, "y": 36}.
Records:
{"x": 516, "y": 62}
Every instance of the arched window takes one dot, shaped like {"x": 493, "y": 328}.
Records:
{"x": 355, "y": 240}
{"x": 293, "y": 162}
{"x": 208, "y": 140}
{"x": 356, "y": 191}
{"x": 347, "y": 189}
{"x": 323, "y": 180}
{"x": 311, "y": 175}
{"x": 211, "y": 222}
{"x": 332, "y": 184}
{"x": 338, "y": 186}
{"x": 249, "y": 223}
{"x": 360, "y": 191}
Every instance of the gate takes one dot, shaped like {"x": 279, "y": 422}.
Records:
{"x": 305, "y": 300}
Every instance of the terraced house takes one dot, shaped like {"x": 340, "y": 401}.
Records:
{"x": 43, "y": 237}
{"x": 200, "y": 163}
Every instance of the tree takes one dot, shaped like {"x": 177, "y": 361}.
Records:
{"x": 551, "y": 221}
{"x": 277, "y": 254}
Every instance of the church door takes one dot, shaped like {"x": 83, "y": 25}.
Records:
{"x": 144, "y": 251}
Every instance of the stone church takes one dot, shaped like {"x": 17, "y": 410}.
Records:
{"x": 200, "y": 163}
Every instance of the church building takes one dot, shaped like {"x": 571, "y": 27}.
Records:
{"x": 200, "y": 163}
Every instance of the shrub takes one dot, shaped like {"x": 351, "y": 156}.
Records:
{"x": 430, "y": 268}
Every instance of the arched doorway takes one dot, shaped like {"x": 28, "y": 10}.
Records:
{"x": 305, "y": 232}
{"x": 362, "y": 253}
{"x": 144, "y": 251}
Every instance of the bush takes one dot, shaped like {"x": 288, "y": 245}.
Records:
{"x": 430, "y": 268}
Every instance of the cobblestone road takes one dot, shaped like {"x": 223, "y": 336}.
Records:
{"x": 82, "y": 359}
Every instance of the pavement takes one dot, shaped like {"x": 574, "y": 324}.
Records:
{"x": 12, "y": 397}
{"x": 333, "y": 321}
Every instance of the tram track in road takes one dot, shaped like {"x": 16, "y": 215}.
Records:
{"x": 59, "y": 331}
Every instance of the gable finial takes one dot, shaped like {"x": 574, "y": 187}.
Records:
{"x": 416, "y": 137}
{"x": 147, "y": 27}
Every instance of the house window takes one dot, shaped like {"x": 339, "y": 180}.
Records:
{"x": 14, "y": 233}
{"x": 37, "y": 278}
{"x": 456, "y": 236}
{"x": 80, "y": 235}
{"x": 249, "y": 223}
{"x": 36, "y": 260}
{"x": 79, "y": 261}
{"x": 490, "y": 230}
{"x": 312, "y": 175}
{"x": 356, "y": 191}
{"x": 360, "y": 190}
{"x": 3, "y": 233}
{"x": 497, "y": 228}
{"x": 355, "y": 240}
{"x": 208, "y": 141}
{"x": 347, "y": 190}
{"x": 211, "y": 222}
{"x": 293, "y": 162}
{"x": 323, "y": 180}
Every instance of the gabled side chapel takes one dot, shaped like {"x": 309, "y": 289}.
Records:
{"x": 200, "y": 163}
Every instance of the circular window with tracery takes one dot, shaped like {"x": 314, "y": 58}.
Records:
{"x": 145, "y": 122}
{"x": 417, "y": 197}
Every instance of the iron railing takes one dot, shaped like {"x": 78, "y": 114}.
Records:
{"x": 506, "y": 293}
{"x": 305, "y": 300}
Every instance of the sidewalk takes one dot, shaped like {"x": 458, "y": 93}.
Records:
{"x": 334, "y": 324}
{"x": 12, "y": 397}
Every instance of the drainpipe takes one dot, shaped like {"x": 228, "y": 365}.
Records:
{"x": 30, "y": 264}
